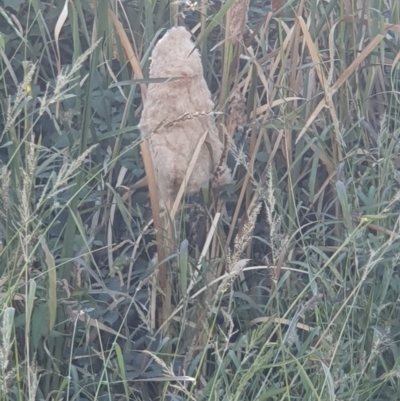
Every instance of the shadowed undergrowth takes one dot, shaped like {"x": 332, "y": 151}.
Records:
{"x": 282, "y": 285}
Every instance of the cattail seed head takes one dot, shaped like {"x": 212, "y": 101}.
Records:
{"x": 238, "y": 19}
{"x": 176, "y": 114}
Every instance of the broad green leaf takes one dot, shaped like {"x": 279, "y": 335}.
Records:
{"x": 52, "y": 285}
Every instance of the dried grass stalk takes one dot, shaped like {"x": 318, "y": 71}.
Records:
{"x": 177, "y": 113}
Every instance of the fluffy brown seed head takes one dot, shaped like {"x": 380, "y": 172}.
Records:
{"x": 238, "y": 19}
{"x": 237, "y": 108}
{"x": 177, "y": 113}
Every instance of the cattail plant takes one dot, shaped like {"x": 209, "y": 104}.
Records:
{"x": 178, "y": 123}
{"x": 176, "y": 115}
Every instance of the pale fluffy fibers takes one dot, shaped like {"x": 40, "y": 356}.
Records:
{"x": 177, "y": 113}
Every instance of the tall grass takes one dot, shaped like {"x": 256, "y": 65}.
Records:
{"x": 284, "y": 285}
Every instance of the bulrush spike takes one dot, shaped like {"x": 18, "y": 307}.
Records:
{"x": 176, "y": 115}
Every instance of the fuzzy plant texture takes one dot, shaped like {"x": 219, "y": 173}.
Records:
{"x": 177, "y": 113}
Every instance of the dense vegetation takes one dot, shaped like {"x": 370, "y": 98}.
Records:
{"x": 281, "y": 286}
